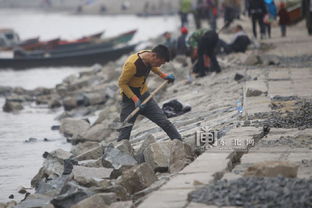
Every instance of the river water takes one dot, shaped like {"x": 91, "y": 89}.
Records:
{"x": 20, "y": 160}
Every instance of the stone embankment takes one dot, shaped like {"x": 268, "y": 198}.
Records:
{"x": 258, "y": 107}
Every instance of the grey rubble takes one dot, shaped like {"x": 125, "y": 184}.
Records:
{"x": 255, "y": 150}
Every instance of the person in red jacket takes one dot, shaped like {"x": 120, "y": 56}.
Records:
{"x": 283, "y": 18}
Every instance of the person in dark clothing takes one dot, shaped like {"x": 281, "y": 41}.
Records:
{"x": 171, "y": 44}
{"x": 307, "y": 14}
{"x": 134, "y": 90}
{"x": 182, "y": 48}
{"x": 207, "y": 60}
{"x": 257, "y": 11}
{"x": 239, "y": 42}
{"x": 283, "y": 18}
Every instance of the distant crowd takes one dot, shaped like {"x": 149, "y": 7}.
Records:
{"x": 204, "y": 44}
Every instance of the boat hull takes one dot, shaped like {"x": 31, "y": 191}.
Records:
{"x": 89, "y": 58}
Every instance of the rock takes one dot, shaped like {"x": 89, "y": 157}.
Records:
{"x": 91, "y": 182}
{"x": 22, "y": 190}
{"x": 70, "y": 103}
{"x": 53, "y": 187}
{"x": 109, "y": 113}
{"x": 34, "y": 200}
{"x": 72, "y": 127}
{"x": 119, "y": 190}
{"x": 114, "y": 158}
{"x": 94, "y": 98}
{"x": 97, "y": 201}
{"x": 139, "y": 156}
{"x": 157, "y": 155}
{"x": 253, "y": 92}
{"x": 95, "y": 173}
{"x": 11, "y": 204}
{"x": 137, "y": 178}
{"x": 53, "y": 165}
{"x": 273, "y": 169}
{"x": 69, "y": 165}
{"x": 92, "y": 163}
{"x": 68, "y": 200}
{"x": 122, "y": 204}
{"x": 54, "y": 103}
{"x": 96, "y": 133}
{"x": 11, "y": 106}
{"x": 2, "y": 205}
{"x": 83, "y": 147}
{"x": 31, "y": 140}
{"x": 93, "y": 153}
{"x": 252, "y": 59}
{"x": 238, "y": 77}
{"x": 125, "y": 146}
{"x": 180, "y": 156}
{"x": 55, "y": 127}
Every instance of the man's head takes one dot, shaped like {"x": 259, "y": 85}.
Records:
{"x": 160, "y": 55}
{"x": 167, "y": 35}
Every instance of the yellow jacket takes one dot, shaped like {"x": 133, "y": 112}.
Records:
{"x": 134, "y": 74}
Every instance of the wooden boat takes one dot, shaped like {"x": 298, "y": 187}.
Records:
{"x": 84, "y": 47}
{"x": 51, "y": 44}
{"x": 108, "y": 42}
{"x": 80, "y": 58}
{"x": 42, "y": 45}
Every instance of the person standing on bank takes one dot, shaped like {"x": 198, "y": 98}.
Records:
{"x": 133, "y": 87}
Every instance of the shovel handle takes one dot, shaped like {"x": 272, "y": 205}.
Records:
{"x": 136, "y": 110}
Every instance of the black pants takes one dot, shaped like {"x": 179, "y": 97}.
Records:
{"x": 150, "y": 111}
{"x": 283, "y": 30}
{"x": 257, "y": 18}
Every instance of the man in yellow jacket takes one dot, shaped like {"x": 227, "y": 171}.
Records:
{"x": 132, "y": 83}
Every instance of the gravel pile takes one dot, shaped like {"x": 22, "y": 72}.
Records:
{"x": 301, "y": 117}
{"x": 255, "y": 192}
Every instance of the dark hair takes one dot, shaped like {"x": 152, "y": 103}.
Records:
{"x": 162, "y": 52}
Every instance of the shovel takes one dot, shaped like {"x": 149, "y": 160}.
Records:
{"x": 125, "y": 123}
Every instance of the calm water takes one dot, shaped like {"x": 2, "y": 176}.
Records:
{"x": 20, "y": 161}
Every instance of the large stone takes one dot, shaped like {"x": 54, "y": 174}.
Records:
{"x": 11, "y": 106}
{"x": 53, "y": 187}
{"x": 180, "y": 156}
{"x": 252, "y": 59}
{"x": 70, "y": 103}
{"x": 95, "y": 98}
{"x": 114, "y": 158}
{"x": 93, "y": 153}
{"x": 96, "y": 133}
{"x": 83, "y": 147}
{"x": 72, "y": 127}
{"x": 157, "y": 155}
{"x": 272, "y": 169}
{"x": 125, "y": 146}
{"x": 34, "y": 200}
{"x": 86, "y": 172}
{"x": 137, "y": 178}
{"x": 97, "y": 201}
{"x": 139, "y": 156}
{"x": 53, "y": 165}
{"x": 70, "y": 199}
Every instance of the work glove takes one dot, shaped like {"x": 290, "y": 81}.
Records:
{"x": 137, "y": 102}
{"x": 169, "y": 77}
